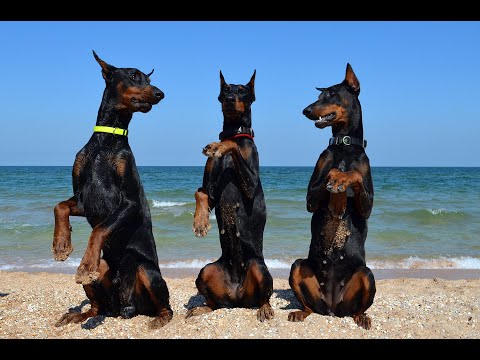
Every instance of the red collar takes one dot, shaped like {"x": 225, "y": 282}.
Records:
{"x": 238, "y": 136}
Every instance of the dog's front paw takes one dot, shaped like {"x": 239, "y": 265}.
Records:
{"x": 336, "y": 181}
{"x": 198, "y": 311}
{"x": 363, "y": 321}
{"x": 161, "y": 320}
{"x": 214, "y": 150}
{"x": 265, "y": 313}
{"x": 70, "y": 317}
{"x": 339, "y": 181}
{"x": 86, "y": 274}
{"x": 201, "y": 225}
{"x": 297, "y": 316}
{"x": 62, "y": 245}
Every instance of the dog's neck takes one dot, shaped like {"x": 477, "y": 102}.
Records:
{"x": 108, "y": 115}
{"x": 231, "y": 122}
{"x": 354, "y": 128}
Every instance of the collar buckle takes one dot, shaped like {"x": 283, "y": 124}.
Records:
{"x": 346, "y": 140}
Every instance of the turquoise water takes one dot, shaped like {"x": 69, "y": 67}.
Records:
{"x": 422, "y": 217}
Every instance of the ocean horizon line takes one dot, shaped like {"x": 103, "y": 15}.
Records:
{"x": 277, "y": 166}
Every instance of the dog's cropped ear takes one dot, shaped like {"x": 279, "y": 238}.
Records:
{"x": 251, "y": 84}
{"x": 107, "y": 69}
{"x": 351, "y": 79}
{"x": 222, "y": 80}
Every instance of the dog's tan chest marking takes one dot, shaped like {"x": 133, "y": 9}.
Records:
{"x": 335, "y": 233}
{"x": 119, "y": 163}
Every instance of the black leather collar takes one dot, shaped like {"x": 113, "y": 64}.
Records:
{"x": 241, "y": 130}
{"x": 347, "y": 140}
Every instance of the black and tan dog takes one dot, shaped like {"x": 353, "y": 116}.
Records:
{"x": 108, "y": 192}
{"x": 231, "y": 185}
{"x": 334, "y": 279}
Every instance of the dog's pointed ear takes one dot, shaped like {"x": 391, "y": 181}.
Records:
{"x": 351, "y": 79}
{"x": 222, "y": 80}
{"x": 251, "y": 84}
{"x": 107, "y": 69}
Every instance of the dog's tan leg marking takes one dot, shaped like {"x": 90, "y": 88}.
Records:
{"x": 87, "y": 271}
{"x": 339, "y": 181}
{"x": 201, "y": 221}
{"x": 95, "y": 307}
{"x": 359, "y": 283}
{"x": 302, "y": 278}
{"x": 251, "y": 287}
{"x": 218, "y": 149}
{"x": 62, "y": 241}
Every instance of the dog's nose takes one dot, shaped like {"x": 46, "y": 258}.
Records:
{"x": 158, "y": 94}
{"x": 230, "y": 98}
{"x": 307, "y": 111}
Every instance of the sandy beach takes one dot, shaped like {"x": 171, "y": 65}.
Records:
{"x": 417, "y": 308}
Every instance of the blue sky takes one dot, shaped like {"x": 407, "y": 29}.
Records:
{"x": 420, "y": 87}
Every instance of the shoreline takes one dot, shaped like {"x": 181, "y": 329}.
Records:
{"x": 380, "y": 274}
{"x": 404, "y": 308}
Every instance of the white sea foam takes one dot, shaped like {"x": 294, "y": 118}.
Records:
{"x": 199, "y": 263}
{"x": 43, "y": 264}
{"x": 159, "y": 204}
{"x": 277, "y": 264}
{"x": 442, "y": 211}
{"x": 46, "y": 264}
{"x": 414, "y": 262}
{"x": 186, "y": 264}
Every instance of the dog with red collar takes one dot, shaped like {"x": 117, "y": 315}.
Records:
{"x": 231, "y": 186}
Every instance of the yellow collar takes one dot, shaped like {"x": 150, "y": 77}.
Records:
{"x": 110, "y": 130}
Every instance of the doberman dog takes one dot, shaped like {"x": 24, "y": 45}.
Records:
{"x": 334, "y": 279}
{"x": 108, "y": 191}
{"x": 231, "y": 185}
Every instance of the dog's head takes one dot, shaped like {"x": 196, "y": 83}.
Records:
{"x": 336, "y": 104}
{"x": 236, "y": 99}
{"x": 131, "y": 86}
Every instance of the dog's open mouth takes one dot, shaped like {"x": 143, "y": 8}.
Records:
{"x": 324, "y": 121}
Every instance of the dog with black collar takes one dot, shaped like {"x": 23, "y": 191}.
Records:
{"x": 334, "y": 279}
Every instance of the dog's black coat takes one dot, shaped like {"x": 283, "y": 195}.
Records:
{"x": 231, "y": 185}
{"x": 108, "y": 192}
{"x": 334, "y": 279}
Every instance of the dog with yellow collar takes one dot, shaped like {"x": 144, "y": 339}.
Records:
{"x": 119, "y": 270}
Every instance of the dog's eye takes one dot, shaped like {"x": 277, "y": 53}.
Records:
{"x": 241, "y": 91}
{"x": 226, "y": 88}
{"x": 133, "y": 76}
{"x": 331, "y": 93}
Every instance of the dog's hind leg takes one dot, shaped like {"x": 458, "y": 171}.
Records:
{"x": 257, "y": 289}
{"x": 100, "y": 295}
{"x": 62, "y": 241}
{"x": 306, "y": 288}
{"x": 358, "y": 297}
{"x": 213, "y": 282}
{"x": 150, "y": 279}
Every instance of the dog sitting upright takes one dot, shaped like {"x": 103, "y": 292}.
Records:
{"x": 231, "y": 185}
{"x": 334, "y": 279}
{"x": 107, "y": 191}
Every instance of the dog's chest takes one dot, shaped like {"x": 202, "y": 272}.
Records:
{"x": 99, "y": 187}
{"x": 335, "y": 233}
